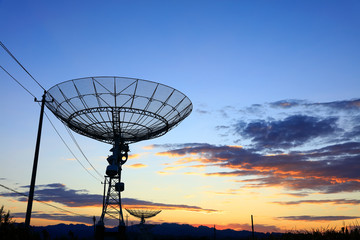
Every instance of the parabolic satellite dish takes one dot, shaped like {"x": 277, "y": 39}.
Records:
{"x": 143, "y": 213}
{"x": 106, "y": 108}
{"x": 119, "y": 111}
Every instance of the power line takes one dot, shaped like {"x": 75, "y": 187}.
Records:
{"x": 73, "y": 138}
{"x": 72, "y": 153}
{"x": 17, "y": 81}
{"x": 43, "y": 202}
{"x": 8, "y": 51}
{"x": 57, "y": 130}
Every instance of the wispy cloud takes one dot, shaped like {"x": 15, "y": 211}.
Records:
{"x": 148, "y": 147}
{"x": 330, "y": 201}
{"x": 289, "y": 103}
{"x": 292, "y": 123}
{"x": 134, "y": 203}
{"x": 136, "y": 165}
{"x": 290, "y": 132}
{"x": 178, "y": 145}
{"x": 297, "y": 145}
{"x": 56, "y": 216}
{"x": 318, "y": 218}
{"x": 173, "y": 168}
{"x": 227, "y": 192}
{"x": 139, "y": 155}
{"x": 202, "y": 111}
{"x": 134, "y": 156}
{"x": 316, "y": 169}
{"x": 59, "y": 193}
{"x": 344, "y": 105}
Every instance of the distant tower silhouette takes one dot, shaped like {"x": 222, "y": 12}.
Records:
{"x": 214, "y": 232}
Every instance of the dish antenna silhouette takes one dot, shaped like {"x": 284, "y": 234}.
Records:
{"x": 118, "y": 111}
{"x": 143, "y": 213}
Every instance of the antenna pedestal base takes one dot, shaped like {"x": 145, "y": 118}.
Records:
{"x": 112, "y": 200}
{"x": 113, "y": 187}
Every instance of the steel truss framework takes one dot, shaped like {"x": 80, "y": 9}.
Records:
{"x": 132, "y": 136}
{"x": 118, "y": 111}
{"x": 112, "y": 206}
{"x": 104, "y": 107}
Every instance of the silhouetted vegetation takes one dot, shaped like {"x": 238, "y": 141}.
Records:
{"x": 346, "y": 233}
{"x": 11, "y": 230}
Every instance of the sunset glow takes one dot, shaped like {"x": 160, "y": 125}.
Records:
{"x": 274, "y": 131}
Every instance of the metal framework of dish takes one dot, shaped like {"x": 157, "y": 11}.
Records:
{"x": 105, "y": 108}
{"x": 119, "y": 111}
{"x": 143, "y": 213}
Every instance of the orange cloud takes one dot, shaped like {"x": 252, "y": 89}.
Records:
{"x": 186, "y": 160}
{"x": 149, "y": 147}
{"x": 138, "y": 155}
{"x": 235, "y": 146}
{"x": 195, "y": 173}
{"x": 356, "y": 103}
{"x": 173, "y": 168}
{"x": 330, "y": 201}
{"x": 169, "y": 154}
{"x": 223, "y": 174}
{"x": 199, "y": 166}
{"x": 172, "y": 207}
{"x": 133, "y": 156}
{"x": 315, "y": 169}
{"x": 137, "y": 165}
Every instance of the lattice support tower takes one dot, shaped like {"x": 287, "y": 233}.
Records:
{"x": 118, "y": 111}
{"x": 112, "y": 200}
{"x": 113, "y": 186}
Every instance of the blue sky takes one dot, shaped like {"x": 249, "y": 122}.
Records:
{"x": 279, "y": 78}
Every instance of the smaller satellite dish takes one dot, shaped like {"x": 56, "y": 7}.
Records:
{"x": 143, "y": 213}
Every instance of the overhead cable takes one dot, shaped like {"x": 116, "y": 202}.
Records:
{"x": 8, "y": 51}
{"x": 53, "y": 126}
{"x": 72, "y": 153}
{"x": 73, "y": 138}
{"x": 17, "y": 81}
{"x": 43, "y": 202}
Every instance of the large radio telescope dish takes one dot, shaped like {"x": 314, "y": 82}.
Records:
{"x": 109, "y": 108}
{"x": 119, "y": 111}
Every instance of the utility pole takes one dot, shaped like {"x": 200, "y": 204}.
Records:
{"x": 214, "y": 232}
{"x": 252, "y": 228}
{"x": 36, "y": 157}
